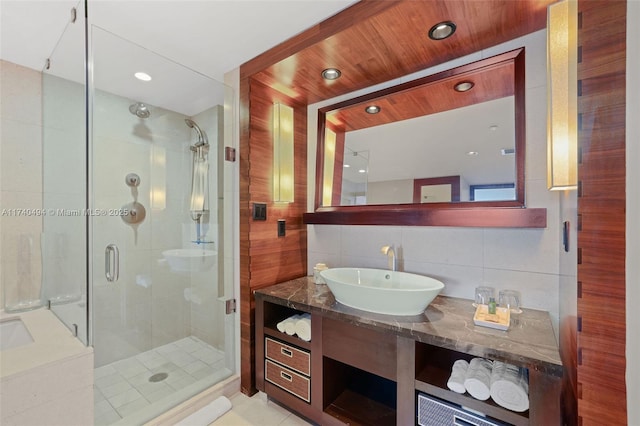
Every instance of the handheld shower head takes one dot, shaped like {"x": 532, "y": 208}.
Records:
{"x": 202, "y": 136}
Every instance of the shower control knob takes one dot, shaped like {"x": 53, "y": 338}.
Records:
{"x": 134, "y": 213}
{"x": 132, "y": 180}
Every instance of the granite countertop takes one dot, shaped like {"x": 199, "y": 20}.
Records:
{"x": 447, "y": 322}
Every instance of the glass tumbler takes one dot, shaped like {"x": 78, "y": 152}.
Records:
{"x": 510, "y": 299}
{"x": 483, "y": 294}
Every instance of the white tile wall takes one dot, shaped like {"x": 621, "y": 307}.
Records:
{"x": 20, "y": 183}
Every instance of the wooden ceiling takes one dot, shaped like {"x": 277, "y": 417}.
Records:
{"x": 375, "y": 41}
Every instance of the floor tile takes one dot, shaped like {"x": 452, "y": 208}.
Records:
{"x": 107, "y": 419}
{"x": 123, "y": 387}
{"x": 111, "y": 391}
{"x": 125, "y": 398}
{"x": 132, "y": 407}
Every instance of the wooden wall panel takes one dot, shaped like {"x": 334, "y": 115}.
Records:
{"x": 601, "y": 208}
{"x": 265, "y": 258}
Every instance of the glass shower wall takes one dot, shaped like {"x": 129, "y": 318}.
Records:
{"x": 158, "y": 285}
{"x": 64, "y": 168}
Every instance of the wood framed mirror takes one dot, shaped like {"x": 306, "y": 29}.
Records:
{"x": 395, "y": 156}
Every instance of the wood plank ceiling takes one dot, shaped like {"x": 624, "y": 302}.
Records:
{"x": 391, "y": 43}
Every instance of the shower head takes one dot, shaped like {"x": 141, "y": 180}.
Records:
{"x": 140, "y": 110}
{"x": 202, "y": 136}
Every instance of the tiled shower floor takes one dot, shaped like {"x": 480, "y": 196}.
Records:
{"x": 123, "y": 388}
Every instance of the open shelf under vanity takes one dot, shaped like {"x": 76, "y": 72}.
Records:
{"x": 375, "y": 370}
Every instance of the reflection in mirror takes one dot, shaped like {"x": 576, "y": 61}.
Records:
{"x": 428, "y": 142}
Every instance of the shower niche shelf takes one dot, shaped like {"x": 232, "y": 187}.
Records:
{"x": 190, "y": 260}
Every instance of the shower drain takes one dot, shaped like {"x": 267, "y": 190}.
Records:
{"x": 158, "y": 377}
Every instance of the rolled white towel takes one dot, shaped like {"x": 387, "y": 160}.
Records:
{"x": 458, "y": 375}
{"x": 510, "y": 386}
{"x": 290, "y": 325}
{"x": 281, "y": 324}
{"x": 303, "y": 327}
{"x": 478, "y": 378}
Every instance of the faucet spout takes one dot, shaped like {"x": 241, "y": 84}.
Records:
{"x": 391, "y": 255}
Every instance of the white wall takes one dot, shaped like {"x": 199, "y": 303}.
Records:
{"x": 463, "y": 258}
{"x": 20, "y": 183}
{"x": 633, "y": 212}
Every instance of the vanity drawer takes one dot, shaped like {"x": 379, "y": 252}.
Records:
{"x": 288, "y": 380}
{"x": 293, "y": 358}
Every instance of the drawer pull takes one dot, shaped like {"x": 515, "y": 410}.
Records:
{"x": 457, "y": 421}
{"x": 286, "y": 352}
{"x": 286, "y": 376}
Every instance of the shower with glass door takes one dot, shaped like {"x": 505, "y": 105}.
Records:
{"x": 141, "y": 275}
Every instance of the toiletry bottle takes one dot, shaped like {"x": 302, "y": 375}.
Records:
{"x": 492, "y": 305}
{"x": 316, "y": 272}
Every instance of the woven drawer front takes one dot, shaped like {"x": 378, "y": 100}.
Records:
{"x": 288, "y": 380}
{"x": 293, "y": 358}
{"x": 434, "y": 412}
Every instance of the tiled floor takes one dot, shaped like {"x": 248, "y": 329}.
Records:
{"x": 123, "y": 388}
{"x": 257, "y": 411}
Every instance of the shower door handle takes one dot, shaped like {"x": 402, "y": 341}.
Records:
{"x": 112, "y": 263}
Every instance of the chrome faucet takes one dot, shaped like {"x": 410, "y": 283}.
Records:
{"x": 391, "y": 254}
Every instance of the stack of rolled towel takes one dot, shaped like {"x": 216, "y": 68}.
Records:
{"x": 506, "y": 384}
{"x": 297, "y": 324}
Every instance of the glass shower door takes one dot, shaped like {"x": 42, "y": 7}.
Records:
{"x": 157, "y": 240}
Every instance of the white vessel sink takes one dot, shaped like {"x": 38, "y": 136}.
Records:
{"x": 382, "y": 291}
{"x": 13, "y": 333}
{"x": 190, "y": 260}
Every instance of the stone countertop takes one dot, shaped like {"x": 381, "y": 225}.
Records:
{"x": 447, "y": 322}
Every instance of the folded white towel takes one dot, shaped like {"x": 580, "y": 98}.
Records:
{"x": 478, "y": 378}
{"x": 458, "y": 375}
{"x": 303, "y": 327}
{"x": 510, "y": 386}
{"x": 290, "y": 325}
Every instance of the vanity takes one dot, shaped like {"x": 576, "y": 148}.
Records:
{"x": 366, "y": 368}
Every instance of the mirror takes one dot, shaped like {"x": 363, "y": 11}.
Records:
{"x": 428, "y": 145}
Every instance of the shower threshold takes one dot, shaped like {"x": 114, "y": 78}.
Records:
{"x": 138, "y": 389}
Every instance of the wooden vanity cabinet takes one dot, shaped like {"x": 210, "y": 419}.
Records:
{"x": 358, "y": 374}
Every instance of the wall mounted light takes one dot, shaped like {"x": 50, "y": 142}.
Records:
{"x": 330, "y": 140}
{"x": 283, "y": 170}
{"x": 562, "y": 96}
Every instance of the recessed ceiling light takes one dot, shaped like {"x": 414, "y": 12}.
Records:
{"x": 362, "y": 171}
{"x": 346, "y": 165}
{"x": 472, "y": 153}
{"x": 463, "y": 86}
{"x": 372, "y": 109}
{"x": 142, "y": 76}
{"x": 331, "y": 73}
{"x": 493, "y": 127}
{"x": 442, "y": 30}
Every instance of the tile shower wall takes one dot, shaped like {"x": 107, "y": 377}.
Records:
{"x": 20, "y": 182}
{"x": 527, "y": 260}
{"x": 149, "y": 305}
